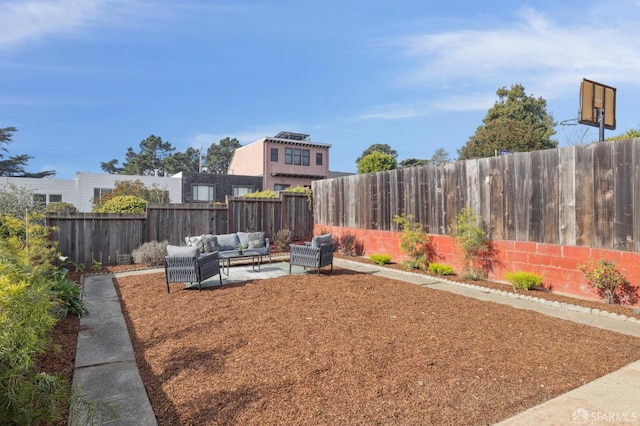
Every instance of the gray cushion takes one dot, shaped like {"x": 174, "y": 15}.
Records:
{"x": 256, "y": 240}
{"x": 318, "y": 240}
{"x": 244, "y": 239}
{"x": 189, "y": 251}
{"x": 227, "y": 242}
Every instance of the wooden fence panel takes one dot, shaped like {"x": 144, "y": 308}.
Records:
{"x": 567, "y": 196}
{"x": 603, "y": 195}
{"x": 88, "y": 237}
{"x": 484, "y": 189}
{"x": 509, "y": 197}
{"x": 173, "y": 222}
{"x": 585, "y": 196}
{"x": 473, "y": 196}
{"x": 297, "y": 216}
{"x": 252, "y": 215}
{"x": 636, "y": 197}
{"x": 622, "y": 165}
{"x": 581, "y": 195}
{"x": 496, "y": 202}
{"x": 550, "y": 198}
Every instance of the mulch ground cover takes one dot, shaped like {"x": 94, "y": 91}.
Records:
{"x": 350, "y": 348}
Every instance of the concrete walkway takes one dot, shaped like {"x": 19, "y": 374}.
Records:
{"x": 106, "y": 370}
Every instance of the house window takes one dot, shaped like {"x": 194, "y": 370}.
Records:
{"x": 280, "y": 186}
{"x": 97, "y": 192}
{"x": 55, "y": 198}
{"x": 40, "y": 199}
{"x": 203, "y": 192}
{"x": 274, "y": 155}
{"x": 296, "y": 156}
{"x": 318, "y": 159}
{"x": 241, "y": 190}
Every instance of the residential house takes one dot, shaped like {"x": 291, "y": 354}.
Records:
{"x": 85, "y": 187}
{"x": 207, "y": 187}
{"x": 284, "y": 160}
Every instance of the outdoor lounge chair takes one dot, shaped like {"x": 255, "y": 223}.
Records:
{"x": 314, "y": 254}
{"x": 188, "y": 265}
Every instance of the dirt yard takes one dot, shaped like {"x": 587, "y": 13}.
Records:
{"x": 350, "y": 348}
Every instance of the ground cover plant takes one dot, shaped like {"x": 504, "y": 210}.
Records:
{"x": 350, "y": 348}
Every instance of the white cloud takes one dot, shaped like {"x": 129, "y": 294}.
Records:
{"x": 34, "y": 20}
{"x": 549, "y": 58}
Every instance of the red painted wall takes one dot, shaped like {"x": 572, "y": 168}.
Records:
{"x": 557, "y": 264}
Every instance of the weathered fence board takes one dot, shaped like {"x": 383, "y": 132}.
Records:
{"x": 550, "y": 196}
{"x": 567, "y": 196}
{"x": 509, "y": 199}
{"x": 603, "y": 195}
{"x": 623, "y": 201}
{"x": 585, "y": 197}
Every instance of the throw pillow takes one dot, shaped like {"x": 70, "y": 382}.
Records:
{"x": 210, "y": 243}
{"x": 256, "y": 240}
{"x": 195, "y": 242}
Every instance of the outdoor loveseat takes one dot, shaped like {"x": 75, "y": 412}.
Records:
{"x": 188, "y": 265}
{"x": 313, "y": 254}
{"x": 255, "y": 242}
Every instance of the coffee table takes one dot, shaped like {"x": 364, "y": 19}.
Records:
{"x": 236, "y": 254}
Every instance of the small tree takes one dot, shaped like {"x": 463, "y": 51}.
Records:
{"x": 17, "y": 201}
{"x": 610, "y": 283}
{"x": 377, "y": 162}
{"x": 473, "y": 240}
{"x": 134, "y": 188}
{"x": 414, "y": 242}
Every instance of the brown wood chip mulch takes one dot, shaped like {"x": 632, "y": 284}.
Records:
{"x": 349, "y": 348}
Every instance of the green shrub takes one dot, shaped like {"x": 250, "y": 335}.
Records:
{"x": 380, "y": 259}
{"x": 523, "y": 280}
{"x": 440, "y": 269}
{"x": 605, "y": 277}
{"x": 472, "y": 238}
{"x": 68, "y": 294}
{"x": 414, "y": 242}
{"x": 124, "y": 204}
{"x": 267, "y": 193}
{"x": 151, "y": 253}
{"x": 283, "y": 239}
{"x": 27, "y": 316}
{"x": 60, "y": 207}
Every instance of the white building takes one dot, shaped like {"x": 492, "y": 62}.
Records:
{"x": 84, "y": 187}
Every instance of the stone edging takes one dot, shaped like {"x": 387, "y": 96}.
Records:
{"x": 554, "y": 303}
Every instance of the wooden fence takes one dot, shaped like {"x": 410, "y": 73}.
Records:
{"x": 85, "y": 237}
{"x": 587, "y": 195}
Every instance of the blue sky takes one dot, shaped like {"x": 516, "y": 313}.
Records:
{"x": 83, "y": 80}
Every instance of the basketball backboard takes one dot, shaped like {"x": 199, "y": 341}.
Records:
{"x": 593, "y": 97}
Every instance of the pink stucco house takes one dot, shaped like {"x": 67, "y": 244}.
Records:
{"x": 284, "y": 160}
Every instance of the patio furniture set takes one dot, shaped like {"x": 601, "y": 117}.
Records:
{"x": 207, "y": 255}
